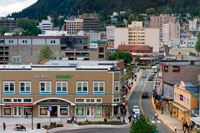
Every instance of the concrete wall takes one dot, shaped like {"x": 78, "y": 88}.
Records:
{"x": 152, "y": 38}
{"x": 121, "y": 37}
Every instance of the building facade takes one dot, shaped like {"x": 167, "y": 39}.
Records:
{"x": 137, "y": 36}
{"x": 91, "y": 22}
{"x": 8, "y": 23}
{"x": 158, "y": 21}
{"x": 110, "y": 32}
{"x": 27, "y": 48}
{"x": 46, "y": 25}
{"x": 65, "y": 87}
{"x": 169, "y": 31}
{"x": 74, "y": 26}
{"x": 193, "y": 25}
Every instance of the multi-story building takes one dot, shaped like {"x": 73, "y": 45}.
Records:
{"x": 73, "y": 26}
{"x": 91, "y": 22}
{"x": 145, "y": 52}
{"x": 46, "y": 25}
{"x": 110, "y": 32}
{"x": 158, "y": 21}
{"x": 169, "y": 31}
{"x": 193, "y": 25}
{"x": 93, "y": 36}
{"x": 8, "y": 23}
{"x": 189, "y": 42}
{"x": 25, "y": 49}
{"x": 136, "y": 35}
{"x": 64, "y": 86}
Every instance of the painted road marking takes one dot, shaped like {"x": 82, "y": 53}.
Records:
{"x": 158, "y": 122}
{"x": 153, "y": 122}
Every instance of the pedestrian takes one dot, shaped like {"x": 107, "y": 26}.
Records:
{"x": 187, "y": 127}
{"x": 26, "y": 115}
{"x": 4, "y": 126}
{"x": 118, "y": 117}
{"x": 171, "y": 113}
{"x": 175, "y": 128}
{"x": 129, "y": 118}
{"x": 156, "y": 116}
{"x": 106, "y": 114}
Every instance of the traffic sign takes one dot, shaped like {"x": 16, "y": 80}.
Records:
{"x": 49, "y": 108}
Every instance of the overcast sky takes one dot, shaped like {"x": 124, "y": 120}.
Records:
{"x": 10, "y": 6}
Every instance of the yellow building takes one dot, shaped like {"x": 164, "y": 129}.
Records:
{"x": 183, "y": 101}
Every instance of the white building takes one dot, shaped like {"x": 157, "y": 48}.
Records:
{"x": 174, "y": 43}
{"x": 188, "y": 42}
{"x": 110, "y": 32}
{"x": 46, "y": 25}
{"x": 193, "y": 25}
{"x": 93, "y": 36}
{"x": 170, "y": 30}
{"x": 136, "y": 34}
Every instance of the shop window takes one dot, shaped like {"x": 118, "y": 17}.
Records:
{"x": 98, "y": 87}
{"x": 116, "y": 86}
{"x": 7, "y": 111}
{"x": 7, "y": 100}
{"x": 80, "y": 111}
{"x": 82, "y": 87}
{"x": 9, "y": 87}
{"x": 64, "y": 110}
{"x": 61, "y": 87}
{"x": 98, "y": 111}
{"x": 45, "y": 87}
{"x": 43, "y": 111}
{"x": 27, "y": 109}
{"x": 25, "y": 87}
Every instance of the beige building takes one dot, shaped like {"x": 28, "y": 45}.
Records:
{"x": 169, "y": 31}
{"x": 193, "y": 25}
{"x": 74, "y": 26}
{"x": 67, "y": 88}
{"x": 137, "y": 35}
{"x": 158, "y": 21}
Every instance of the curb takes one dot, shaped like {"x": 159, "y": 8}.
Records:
{"x": 165, "y": 121}
{"x": 102, "y": 126}
{"x": 56, "y": 129}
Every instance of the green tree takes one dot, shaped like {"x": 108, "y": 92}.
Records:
{"x": 126, "y": 56}
{"x": 3, "y": 30}
{"x": 29, "y": 26}
{"x": 137, "y": 59}
{"x": 45, "y": 53}
{"x": 131, "y": 18}
{"x": 197, "y": 46}
{"x": 151, "y": 11}
{"x": 142, "y": 125}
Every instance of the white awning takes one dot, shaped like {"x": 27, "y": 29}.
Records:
{"x": 196, "y": 120}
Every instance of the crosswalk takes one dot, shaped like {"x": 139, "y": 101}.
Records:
{"x": 156, "y": 121}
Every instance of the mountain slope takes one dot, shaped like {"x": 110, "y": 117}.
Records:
{"x": 42, "y": 8}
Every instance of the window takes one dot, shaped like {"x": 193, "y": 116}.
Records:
{"x": 78, "y": 100}
{"x": 27, "y": 100}
{"x": 15, "y": 100}
{"x": 25, "y": 87}
{"x": 98, "y": 100}
{"x": 80, "y": 111}
{"x": 9, "y": 87}
{"x": 45, "y": 87}
{"x": 7, "y": 100}
{"x": 188, "y": 101}
{"x": 7, "y": 111}
{"x": 116, "y": 86}
{"x": 43, "y": 111}
{"x": 10, "y": 41}
{"x": 27, "y": 109}
{"x": 175, "y": 95}
{"x": 82, "y": 87}
{"x": 98, "y": 111}
{"x": 61, "y": 87}
{"x": 116, "y": 100}
{"x": 178, "y": 95}
{"x": 64, "y": 110}
{"x": 98, "y": 87}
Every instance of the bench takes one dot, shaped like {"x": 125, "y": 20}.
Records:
{"x": 18, "y": 129}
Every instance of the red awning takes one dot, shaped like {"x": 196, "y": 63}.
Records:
{"x": 19, "y": 104}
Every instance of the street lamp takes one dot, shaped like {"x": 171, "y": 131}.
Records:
{"x": 32, "y": 117}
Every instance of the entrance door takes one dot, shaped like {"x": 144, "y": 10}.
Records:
{"x": 17, "y": 111}
{"x": 90, "y": 111}
{"x": 54, "y": 112}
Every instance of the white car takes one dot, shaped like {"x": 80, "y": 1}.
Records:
{"x": 136, "y": 109}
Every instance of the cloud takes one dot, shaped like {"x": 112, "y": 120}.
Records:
{"x": 10, "y": 6}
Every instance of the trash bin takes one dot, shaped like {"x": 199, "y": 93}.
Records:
{"x": 38, "y": 126}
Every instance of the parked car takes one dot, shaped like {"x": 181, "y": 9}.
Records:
{"x": 136, "y": 109}
{"x": 145, "y": 95}
{"x": 150, "y": 78}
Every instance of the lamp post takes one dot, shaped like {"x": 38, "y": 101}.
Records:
{"x": 32, "y": 117}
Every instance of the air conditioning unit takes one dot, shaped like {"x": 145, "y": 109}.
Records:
{"x": 16, "y": 60}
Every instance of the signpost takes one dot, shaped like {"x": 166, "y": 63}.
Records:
{"x": 49, "y": 108}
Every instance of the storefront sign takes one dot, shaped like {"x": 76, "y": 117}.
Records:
{"x": 181, "y": 97}
{"x": 42, "y": 76}
{"x": 63, "y": 76}
{"x": 176, "y": 68}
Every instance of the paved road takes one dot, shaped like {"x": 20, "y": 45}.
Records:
{"x": 98, "y": 130}
{"x": 146, "y": 103}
